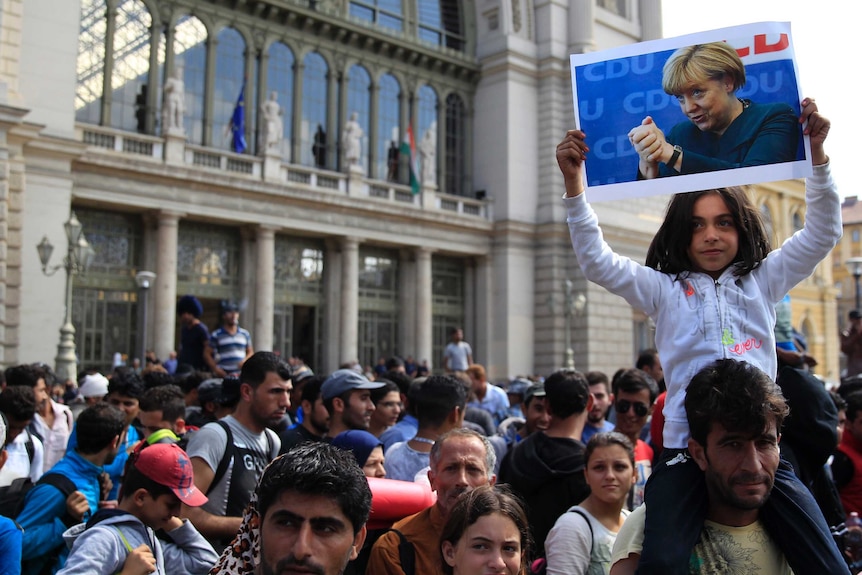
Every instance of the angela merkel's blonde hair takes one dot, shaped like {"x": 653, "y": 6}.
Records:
{"x": 694, "y": 64}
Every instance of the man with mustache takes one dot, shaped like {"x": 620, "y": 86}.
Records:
{"x": 461, "y": 460}
{"x": 306, "y": 516}
{"x": 229, "y": 455}
{"x": 735, "y": 413}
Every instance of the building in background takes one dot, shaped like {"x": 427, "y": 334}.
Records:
{"x": 251, "y": 195}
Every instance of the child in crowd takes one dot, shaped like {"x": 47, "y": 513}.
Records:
{"x": 157, "y": 479}
{"x": 710, "y": 283}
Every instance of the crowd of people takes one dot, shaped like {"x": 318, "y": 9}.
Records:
{"x": 239, "y": 462}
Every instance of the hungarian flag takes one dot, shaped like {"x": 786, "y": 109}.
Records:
{"x": 408, "y": 150}
{"x": 237, "y": 123}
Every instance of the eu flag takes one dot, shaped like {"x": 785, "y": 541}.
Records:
{"x": 237, "y": 123}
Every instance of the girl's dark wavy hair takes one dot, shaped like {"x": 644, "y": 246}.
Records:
{"x": 668, "y": 251}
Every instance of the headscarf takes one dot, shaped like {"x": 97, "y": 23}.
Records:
{"x": 359, "y": 441}
{"x": 242, "y": 556}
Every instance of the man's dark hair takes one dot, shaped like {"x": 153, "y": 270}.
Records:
{"x": 311, "y": 388}
{"x": 381, "y": 392}
{"x": 126, "y": 382}
{"x": 157, "y": 378}
{"x": 597, "y": 377}
{"x": 735, "y": 394}
{"x": 634, "y": 380}
{"x": 394, "y": 362}
{"x": 28, "y": 375}
{"x": 255, "y": 368}
{"x": 402, "y": 380}
{"x": 168, "y": 399}
{"x": 854, "y": 405}
{"x": 18, "y": 402}
{"x": 838, "y": 401}
{"x": 318, "y": 469}
{"x": 97, "y": 426}
{"x": 437, "y": 397}
{"x": 566, "y": 393}
{"x": 646, "y": 357}
{"x": 192, "y": 380}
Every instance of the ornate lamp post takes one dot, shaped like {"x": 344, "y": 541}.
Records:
{"x": 144, "y": 279}
{"x": 78, "y": 258}
{"x": 574, "y": 306}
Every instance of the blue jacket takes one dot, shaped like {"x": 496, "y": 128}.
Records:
{"x": 44, "y": 511}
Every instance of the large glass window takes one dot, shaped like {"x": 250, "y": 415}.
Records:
{"x": 129, "y": 82}
{"x": 229, "y": 79}
{"x": 440, "y": 23}
{"x": 299, "y": 298}
{"x": 91, "y": 61}
{"x": 279, "y": 79}
{"x": 378, "y": 304}
{"x": 315, "y": 141}
{"x": 359, "y": 101}
{"x": 190, "y": 38}
{"x": 448, "y": 301}
{"x": 456, "y": 147}
{"x": 104, "y": 300}
{"x": 386, "y": 13}
{"x": 208, "y": 261}
{"x": 388, "y": 122}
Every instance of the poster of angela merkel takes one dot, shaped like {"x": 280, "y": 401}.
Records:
{"x": 717, "y": 108}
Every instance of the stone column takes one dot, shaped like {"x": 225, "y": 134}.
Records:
{"x": 581, "y": 27}
{"x": 349, "y": 299}
{"x": 264, "y": 306}
{"x": 332, "y": 306}
{"x": 165, "y": 292}
{"x": 424, "y": 313}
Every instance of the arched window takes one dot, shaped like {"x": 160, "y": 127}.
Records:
{"x": 456, "y": 145}
{"x": 440, "y": 23}
{"x": 190, "y": 37}
{"x": 315, "y": 141}
{"x": 359, "y": 101}
{"x": 129, "y": 80}
{"x": 386, "y": 13}
{"x": 229, "y": 80}
{"x": 279, "y": 79}
{"x": 388, "y": 122}
{"x": 91, "y": 61}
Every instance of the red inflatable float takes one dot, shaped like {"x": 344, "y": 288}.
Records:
{"x": 392, "y": 500}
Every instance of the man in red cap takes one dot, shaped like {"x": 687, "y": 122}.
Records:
{"x": 158, "y": 478}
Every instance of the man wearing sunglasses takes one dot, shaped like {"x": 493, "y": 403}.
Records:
{"x": 634, "y": 395}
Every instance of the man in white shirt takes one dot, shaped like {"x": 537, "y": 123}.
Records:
{"x": 458, "y": 355}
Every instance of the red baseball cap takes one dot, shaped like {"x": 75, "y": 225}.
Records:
{"x": 167, "y": 464}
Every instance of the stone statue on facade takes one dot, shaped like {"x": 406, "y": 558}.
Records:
{"x": 352, "y": 141}
{"x": 273, "y": 123}
{"x": 174, "y": 106}
{"x": 428, "y": 155}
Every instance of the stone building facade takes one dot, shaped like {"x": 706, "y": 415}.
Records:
{"x": 332, "y": 260}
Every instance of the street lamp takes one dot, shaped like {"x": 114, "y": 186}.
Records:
{"x": 78, "y": 258}
{"x": 855, "y": 267}
{"x": 144, "y": 279}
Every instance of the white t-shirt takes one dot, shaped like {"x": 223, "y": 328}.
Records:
{"x": 402, "y": 462}
{"x": 18, "y": 464}
{"x": 458, "y": 355}
{"x": 570, "y": 550}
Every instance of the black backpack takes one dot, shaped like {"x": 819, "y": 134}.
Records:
{"x": 12, "y": 496}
